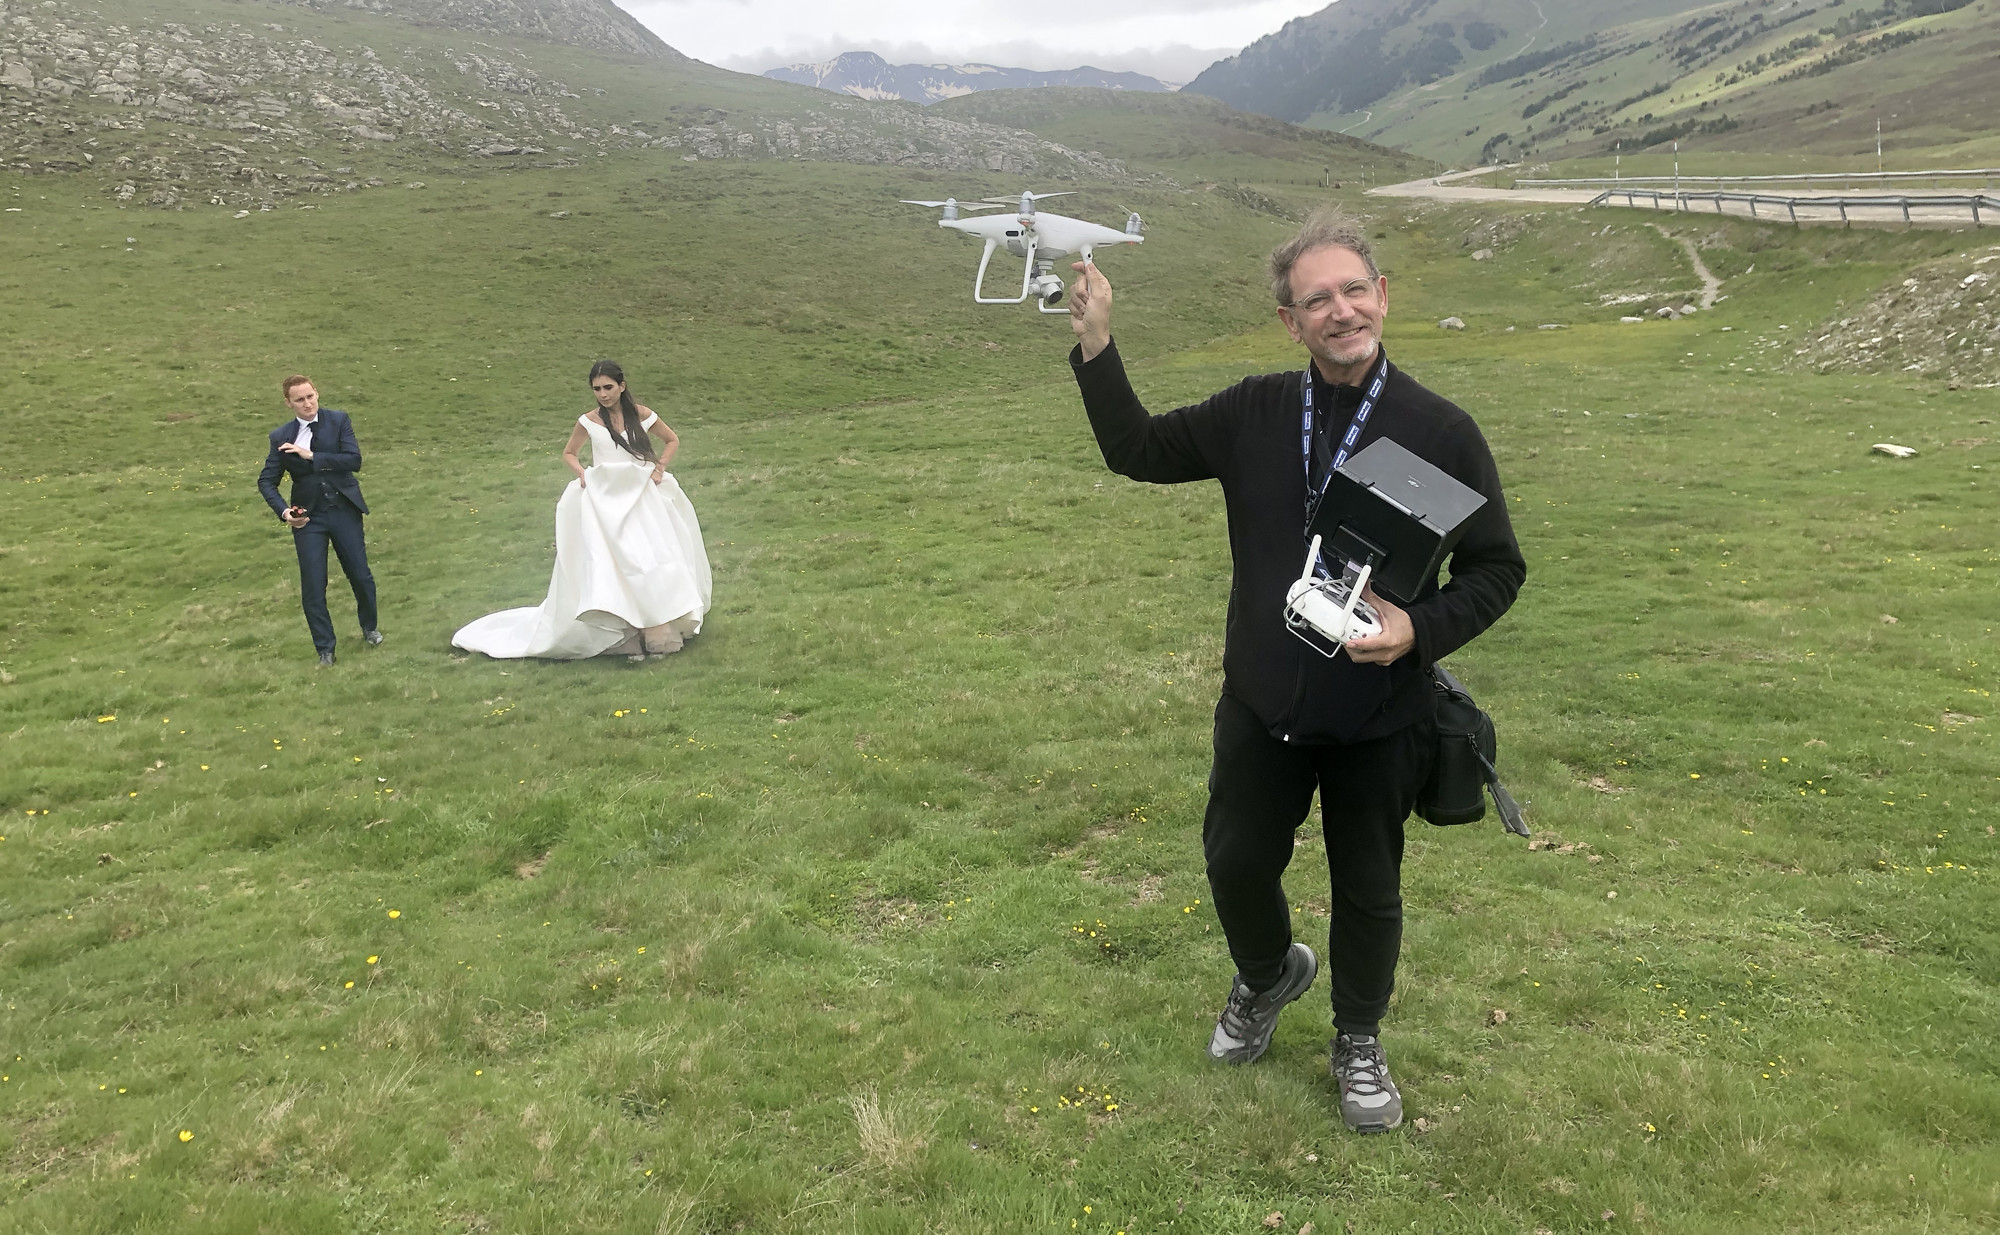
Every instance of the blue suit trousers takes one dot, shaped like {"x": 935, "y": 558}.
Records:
{"x": 338, "y": 524}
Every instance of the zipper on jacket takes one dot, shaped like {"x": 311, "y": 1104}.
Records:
{"x": 1298, "y": 697}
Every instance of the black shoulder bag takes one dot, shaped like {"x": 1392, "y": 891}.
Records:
{"x": 1464, "y": 772}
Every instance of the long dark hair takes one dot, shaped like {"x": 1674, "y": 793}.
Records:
{"x": 633, "y": 438}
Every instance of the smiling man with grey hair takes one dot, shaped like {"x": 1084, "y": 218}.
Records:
{"x": 1357, "y": 729}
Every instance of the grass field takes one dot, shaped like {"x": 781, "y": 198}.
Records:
{"x": 899, "y": 858}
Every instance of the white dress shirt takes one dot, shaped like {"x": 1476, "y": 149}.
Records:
{"x": 305, "y": 435}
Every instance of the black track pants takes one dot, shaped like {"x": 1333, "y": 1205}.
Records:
{"x": 1258, "y": 793}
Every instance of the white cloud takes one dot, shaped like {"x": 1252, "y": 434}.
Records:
{"x": 1172, "y": 39}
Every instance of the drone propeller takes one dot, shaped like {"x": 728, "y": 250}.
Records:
{"x": 1033, "y": 197}
{"x": 951, "y": 207}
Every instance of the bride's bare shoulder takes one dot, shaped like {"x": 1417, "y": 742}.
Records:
{"x": 593, "y": 417}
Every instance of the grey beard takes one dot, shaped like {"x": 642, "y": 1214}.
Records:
{"x": 1364, "y": 356}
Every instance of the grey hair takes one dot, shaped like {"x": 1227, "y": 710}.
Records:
{"x": 1326, "y": 227}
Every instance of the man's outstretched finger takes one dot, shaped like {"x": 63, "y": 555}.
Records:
{"x": 1091, "y": 287}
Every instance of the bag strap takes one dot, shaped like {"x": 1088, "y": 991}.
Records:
{"x": 1510, "y": 810}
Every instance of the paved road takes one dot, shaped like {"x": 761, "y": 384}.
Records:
{"x": 1442, "y": 188}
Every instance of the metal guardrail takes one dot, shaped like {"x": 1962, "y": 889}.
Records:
{"x": 1682, "y": 201}
{"x": 1805, "y": 178}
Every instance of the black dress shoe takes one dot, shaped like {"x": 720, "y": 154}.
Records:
{"x": 325, "y": 659}
{"x": 373, "y": 638}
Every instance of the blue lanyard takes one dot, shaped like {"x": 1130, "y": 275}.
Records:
{"x": 1378, "y": 376}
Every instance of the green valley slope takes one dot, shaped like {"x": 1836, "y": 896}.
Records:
{"x": 1192, "y": 138}
{"x": 881, "y": 908}
{"x": 1779, "y": 79}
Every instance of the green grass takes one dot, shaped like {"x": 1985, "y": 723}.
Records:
{"x": 803, "y": 940}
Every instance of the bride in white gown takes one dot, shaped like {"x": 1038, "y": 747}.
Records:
{"x": 631, "y": 575}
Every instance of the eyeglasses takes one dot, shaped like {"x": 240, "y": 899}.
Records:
{"x": 1355, "y": 292}
{"x": 595, "y": 386}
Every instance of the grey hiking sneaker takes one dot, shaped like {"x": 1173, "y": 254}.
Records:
{"x": 1243, "y": 1031}
{"x": 1369, "y": 1101}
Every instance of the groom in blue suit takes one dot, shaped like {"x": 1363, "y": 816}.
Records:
{"x": 317, "y": 449}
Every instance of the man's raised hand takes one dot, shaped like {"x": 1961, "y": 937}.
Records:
{"x": 1090, "y": 309}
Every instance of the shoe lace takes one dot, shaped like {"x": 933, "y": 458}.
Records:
{"x": 1240, "y": 1011}
{"x": 1362, "y": 1066}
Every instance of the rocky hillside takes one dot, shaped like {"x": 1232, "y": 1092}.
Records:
{"x": 1942, "y": 320}
{"x": 597, "y": 24}
{"x": 866, "y": 75}
{"x": 232, "y": 114}
{"x": 249, "y": 114}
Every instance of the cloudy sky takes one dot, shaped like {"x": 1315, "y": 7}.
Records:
{"x": 1170, "y": 39}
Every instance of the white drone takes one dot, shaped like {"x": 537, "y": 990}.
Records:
{"x": 1037, "y": 238}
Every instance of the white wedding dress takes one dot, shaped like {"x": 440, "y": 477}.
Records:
{"x": 631, "y": 572}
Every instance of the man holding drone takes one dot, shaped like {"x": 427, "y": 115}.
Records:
{"x": 1357, "y": 727}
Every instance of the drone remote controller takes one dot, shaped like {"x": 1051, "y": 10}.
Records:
{"x": 1331, "y": 609}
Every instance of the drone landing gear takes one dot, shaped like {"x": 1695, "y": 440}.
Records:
{"x": 979, "y": 295}
{"x": 1038, "y": 279}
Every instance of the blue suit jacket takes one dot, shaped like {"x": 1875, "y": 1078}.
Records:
{"x": 326, "y": 477}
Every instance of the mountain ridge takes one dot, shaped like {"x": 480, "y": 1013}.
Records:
{"x": 596, "y": 24}
{"x": 866, "y": 75}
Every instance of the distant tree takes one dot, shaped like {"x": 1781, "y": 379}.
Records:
{"x": 1480, "y": 35}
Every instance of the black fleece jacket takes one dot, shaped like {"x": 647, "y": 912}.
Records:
{"x": 1247, "y": 437}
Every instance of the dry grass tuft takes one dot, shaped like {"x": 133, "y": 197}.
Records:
{"x": 677, "y": 1215}
{"x": 889, "y": 1138}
